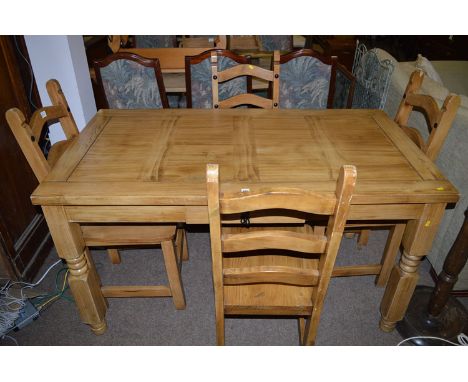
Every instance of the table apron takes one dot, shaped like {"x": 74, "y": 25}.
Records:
{"x": 199, "y": 214}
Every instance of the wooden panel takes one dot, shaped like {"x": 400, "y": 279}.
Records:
{"x": 128, "y": 214}
{"x": 24, "y": 231}
{"x": 126, "y": 235}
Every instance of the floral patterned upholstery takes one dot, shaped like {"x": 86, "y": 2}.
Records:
{"x": 129, "y": 85}
{"x": 200, "y": 77}
{"x": 152, "y": 41}
{"x": 304, "y": 83}
{"x": 276, "y": 42}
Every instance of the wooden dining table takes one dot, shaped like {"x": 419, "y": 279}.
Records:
{"x": 148, "y": 166}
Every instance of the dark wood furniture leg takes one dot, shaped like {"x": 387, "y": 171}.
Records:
{"x": 433, "y": 312}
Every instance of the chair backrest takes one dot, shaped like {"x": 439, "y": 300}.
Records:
{"x": 198, "y": 78}
{"x": 27, "y": 135}
{"x": 310, "y": 80}
{"x": 221, "y": 76}
{"x": 129, "y": 81}
{"x": 439, "y": 120}
{"x": 372, "y": 79}
{"x": 278, "y": 201}
{"x": 270, "y": 43}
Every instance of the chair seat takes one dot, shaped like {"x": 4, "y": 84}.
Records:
{"x": 271, "y": 299}
{"x": 57, "y": 150}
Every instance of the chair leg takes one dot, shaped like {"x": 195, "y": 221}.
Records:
{"x": 181, "y": 244}
{"x": 185, "y": 255}
{"x": 390, "y": 253}
{"x": 114, "y": 256}
{"x": 310, "y": 330}
{"x": 173, "y": 274}
{"x": 363, "y": 238}
{"x": 302, "y": 323}
{"x": 220, "y": 329}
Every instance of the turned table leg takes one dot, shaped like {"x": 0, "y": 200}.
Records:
{"x": 417, "y": 241}
{"x": 83, "y": 280}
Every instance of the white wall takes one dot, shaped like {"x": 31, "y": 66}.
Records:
{"x": 63, "y": 58}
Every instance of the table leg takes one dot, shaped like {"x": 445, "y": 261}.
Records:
{"x": 84, "y": 280}
{"x": 417, "y": 241}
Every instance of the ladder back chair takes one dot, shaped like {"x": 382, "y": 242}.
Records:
{"x": 271, "y": 270}
{"x": 312, "y": 81}
{"x": 199, "y": 83}
{"x": 218, "y": 77}
{"x": 129, "y": 81}
{"x": 27, "y": 136}
{"x": 439, "y": 121}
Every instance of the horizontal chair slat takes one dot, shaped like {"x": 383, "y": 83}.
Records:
{"x": 271, "y": 274}
{"x": 246, "y": 99}
{"x": 273, "y": 239}
{"x": 356, "y": 270}
{"x": 272, "y": 310}
{"x": 136, "y": 291}
{"x": 299, "y": 200}
{"x": 245, "y": 70}
{"x": 427, "y": 103}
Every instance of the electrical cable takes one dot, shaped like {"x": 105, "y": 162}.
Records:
{"x": 11, "y": 338}
{"x": 30, "y": 285}
{"x": 59, "y": 294}
{"x": 11, "y": 306}
{"x": 30, "y": 73}
{"x": 462, "y": 339}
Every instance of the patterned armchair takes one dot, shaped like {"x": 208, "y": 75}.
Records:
{"x": 311, "y": 81}
{"x": 270, "y": 43}
{"x": 198, "y": 78}
{"x": 372, "y": 79}
{"x": 153, "y": 41}
{"x": 129, "y": 81}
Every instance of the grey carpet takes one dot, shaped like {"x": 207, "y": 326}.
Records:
{"x": 350, "y": 316}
